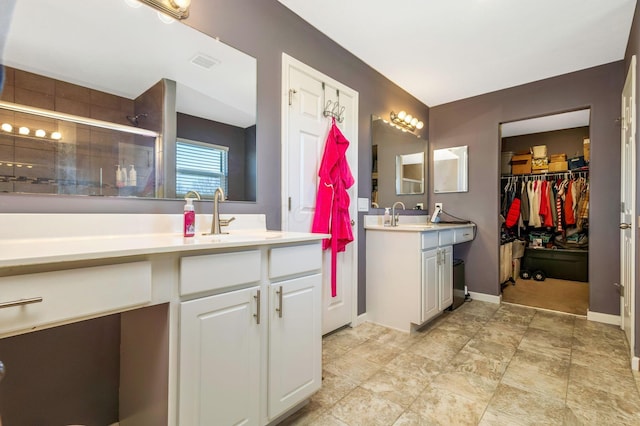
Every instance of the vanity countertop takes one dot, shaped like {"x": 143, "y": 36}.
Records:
{"x": 411, "y": 224}
{"x": 91, "y": 243}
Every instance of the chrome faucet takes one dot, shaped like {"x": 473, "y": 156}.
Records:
{"x": 217, "y": 223}
{"x": 194, "y": 193}
{"x": 394, "y": 218}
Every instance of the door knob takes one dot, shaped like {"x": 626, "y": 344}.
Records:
{"x": 625, "y": 225}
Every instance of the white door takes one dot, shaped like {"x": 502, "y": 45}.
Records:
{"x": 295, "y": 343}
{"x": 430, "y": 280}
{"x": 446, "y": 278}
{"x": 220, "y": 360}
{"x": 628, "y": 204}
{"x": 304, "y": 131}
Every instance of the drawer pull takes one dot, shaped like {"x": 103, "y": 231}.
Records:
{"x": 257, "y": 314}
{"x": 279, "y": 308}
{"x": 20, "y": 302}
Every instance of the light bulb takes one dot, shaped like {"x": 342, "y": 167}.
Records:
{"x": 414, "y": 122}
{"x": 18, "y": 165}
{"x": 29, "y": 167}
{"x": 420, "y": 125}
{"x": 7, "y": 127}
{"x": 41, "y": 133}
{"x": 402, "y": 115}
{"x": 408, "y": 119}
{"x": 56, "y": 135}
{"x": 23, "y": 130}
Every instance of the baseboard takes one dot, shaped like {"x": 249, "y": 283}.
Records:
{"x": 604, "y": 318}
{"x": 635, "y": 363}
{"x": 482, "y": 297}
{"x": 360, "y": 319}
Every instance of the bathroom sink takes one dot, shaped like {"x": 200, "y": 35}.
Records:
{"x": 416, "y": 225}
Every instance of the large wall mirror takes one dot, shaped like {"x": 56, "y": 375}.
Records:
{"x": 398, "y": 165}
{"x": 130, "y": 72}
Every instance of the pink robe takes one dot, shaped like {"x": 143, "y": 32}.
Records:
{"x": 332, "y": 201}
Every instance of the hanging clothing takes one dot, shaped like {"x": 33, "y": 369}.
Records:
{"x": 524, "y": 203}
{"x": 569, "y": 204}
{"x": 332, "y": 201}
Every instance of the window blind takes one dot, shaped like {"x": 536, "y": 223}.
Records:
{"x": 201, "y": 167}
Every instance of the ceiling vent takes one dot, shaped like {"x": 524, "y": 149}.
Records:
{"x": 204, "y": 61}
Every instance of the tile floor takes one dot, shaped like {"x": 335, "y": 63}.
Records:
{"x": 482, "y": 364}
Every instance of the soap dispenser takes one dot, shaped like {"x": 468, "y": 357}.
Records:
{"x": 189, "y": 218}
{"x": 387, "y": 217}
{"x": 133, "y": 176}
{"x": 119, "y": 180}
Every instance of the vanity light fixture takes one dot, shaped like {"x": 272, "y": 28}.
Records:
{"x": 56, "y": 135}
{"x": 6, "y": 127}
{"x": 24, "y": 130}
{"x": 405, "y": 121}
{"x": 177, "y": 9}
{"x": 41, "y": 133}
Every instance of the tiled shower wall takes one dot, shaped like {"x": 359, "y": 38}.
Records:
{"x": 74, "y": 164}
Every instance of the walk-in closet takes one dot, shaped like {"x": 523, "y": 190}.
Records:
{"x": 544, "y": 212}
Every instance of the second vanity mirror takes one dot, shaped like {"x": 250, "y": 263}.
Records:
{"x": 133, "y": 71}
{"x": 398, "y": 165}
{"x": 450, "y": 170}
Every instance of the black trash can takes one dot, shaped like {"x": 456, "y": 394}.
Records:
{"x": 458, "y": 283}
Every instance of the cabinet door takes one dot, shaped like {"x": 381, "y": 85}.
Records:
{"x": 430, "y": 277}
{"x": 446, "y": 278}
{"x": 220, "y": 360}
{"x": 295, "y": 342}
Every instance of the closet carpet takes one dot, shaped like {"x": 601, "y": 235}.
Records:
{"x": 556, "y": 295}
{"x": 482, "y": 364}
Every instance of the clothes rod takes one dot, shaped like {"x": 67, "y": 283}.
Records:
{"x": 568, "y": 173}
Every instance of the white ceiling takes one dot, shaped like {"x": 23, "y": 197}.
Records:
{"x": 442, "y": 51}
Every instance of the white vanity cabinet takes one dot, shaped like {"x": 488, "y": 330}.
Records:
{"x": 295, "y": 335}
{"x": 410, "y": 273}
{"x": 230, "y": 338}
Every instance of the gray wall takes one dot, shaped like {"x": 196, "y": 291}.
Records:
{"x": 567, "y": 141}
{"x": 633, "y": 48}
{"x": 264, "y": 29}
{"x": 475, "y": 122}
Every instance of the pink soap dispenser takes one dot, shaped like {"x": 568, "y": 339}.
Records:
{"x": 189, "y": 218}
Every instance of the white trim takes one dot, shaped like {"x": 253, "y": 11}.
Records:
{"x": 603, "y": 318}
{"x": 482, "y": 297}
{"x": 635, "y": 363}
{"x": 359, "y": 320}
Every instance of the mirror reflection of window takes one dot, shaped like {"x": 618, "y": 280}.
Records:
{"x": 201, "y": 167}
{"x": 410, "y": 173}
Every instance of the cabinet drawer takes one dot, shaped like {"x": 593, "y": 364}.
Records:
{"x": 72, "y": 294}
{"x": 460, "y": 235}
{"x": 216, "y": 271}
{"x": 429, "y": 240}
{"x": 445, "y": 238}
{"x": 293, "y": 260}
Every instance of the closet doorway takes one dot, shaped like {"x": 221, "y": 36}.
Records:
{"x": 544, "y": 212}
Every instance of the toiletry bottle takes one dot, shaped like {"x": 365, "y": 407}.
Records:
{"x": 119, "y": 182}
{"x": 124, "y": 176}
{"x": 189, "y": 218}
{"x": 133, "y": 177}
{"x": 387, "y": 217}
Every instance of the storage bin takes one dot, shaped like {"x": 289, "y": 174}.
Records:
{"x": 586, "y": 144}
{"x": 555, "y": 158}
{"x": 505, "y": 163}
{"x": 558, "y": 166}
{"x": 576, "y": 163}
{"x": 540, "y": 151}
{"x": 521, "y": 164}
{"x": 563, "y": 264}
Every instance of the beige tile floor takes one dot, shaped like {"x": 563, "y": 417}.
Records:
{"x": 482, "y": 364}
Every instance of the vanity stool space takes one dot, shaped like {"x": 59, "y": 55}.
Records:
{"x": 410, "y": 272}
{"x": 219, "y": 329}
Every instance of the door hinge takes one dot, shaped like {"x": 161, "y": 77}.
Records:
{"x": 291, "y": 93}
{"x": 289, "y": 203}
{"x": 622, "y": 207}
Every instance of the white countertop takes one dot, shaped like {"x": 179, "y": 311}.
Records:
{"x": 410, "y": 224}
{"x": 90, "y": 239}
